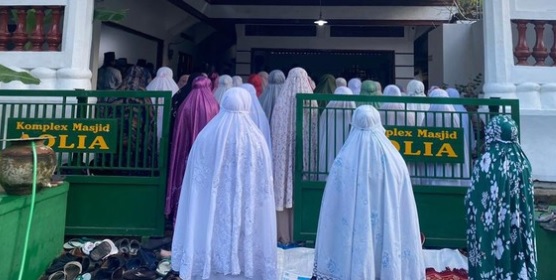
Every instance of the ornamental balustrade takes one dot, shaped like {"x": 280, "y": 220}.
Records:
{"x": 540, "y": 50}
{"x": 31, "y": 28}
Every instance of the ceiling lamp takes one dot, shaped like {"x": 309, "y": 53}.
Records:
{"x": 320, "y": 21}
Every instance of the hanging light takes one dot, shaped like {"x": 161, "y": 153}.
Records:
{"x": 320, "y": 21}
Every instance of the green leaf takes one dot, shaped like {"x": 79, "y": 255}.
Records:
{"x": 109, "y": 15}
{"x": 8, "y": 75}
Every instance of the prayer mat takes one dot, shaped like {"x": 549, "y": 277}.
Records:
{"x": 448, "y": 274}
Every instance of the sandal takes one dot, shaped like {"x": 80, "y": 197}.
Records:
{"x": 164, "y": 267}
{"x": 59, "y": 263}
{"x": 549, "y": 225}
{"x": 122, "y": 245}
{"x": 102, "y": 250}
{"x": 545, "y": 217}
{"x": 72, "y": 269}
{"x": 58, "y": 275}
{"x": 134, "y": 247}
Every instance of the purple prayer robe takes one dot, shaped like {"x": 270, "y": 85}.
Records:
{"x": 194, "y": 113}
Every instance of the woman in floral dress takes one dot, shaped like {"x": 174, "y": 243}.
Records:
{"x": 500, "y": 219}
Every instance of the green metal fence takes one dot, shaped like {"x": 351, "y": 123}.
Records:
{"x": 439, "y": 149}
{"x": 107, "y": 148}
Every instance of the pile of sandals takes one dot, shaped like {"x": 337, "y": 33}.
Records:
{"x": 106, "y": 259}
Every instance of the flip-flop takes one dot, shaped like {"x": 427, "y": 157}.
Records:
{"x": 72, "y": 243}
{"x": 76, "y": 242}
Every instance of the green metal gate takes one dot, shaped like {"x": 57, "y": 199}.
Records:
{"x": 439, "y": 176}
{"x": 107, "y": 148}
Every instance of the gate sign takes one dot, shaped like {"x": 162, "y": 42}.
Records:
{"x": 428, "y": 144}
{"x": 69, "y": 135}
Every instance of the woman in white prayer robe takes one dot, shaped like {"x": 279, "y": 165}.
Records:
{"x": 164, "y": 81}
{"x": 276, "y": 80}
{"x": 334, "y": 126}
{"x": 226, "y": 219}
{"x": 224, "y": 83}
{"x": 237, "y": 81}
{"x": 355, "y": 85}
{"x": 283, "y": 145}
{"x": 257, "y": 113}
{"x": 416, "y": 88}
{"x": 393, "y": 113}
{"x": 368, "y": 224}
{"x": 441, "y": 116}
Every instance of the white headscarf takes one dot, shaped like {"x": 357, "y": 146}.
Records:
{"x": 416, "y": 88}
{"x": 393, "y": 113}
{"x": 237, "y": 81}
{"x": 275, "y": 83}
{"x": 355, "y": 85}
{"x": 334, "y": 126}
{"x": 341, "y": 82}
{"x": 283, "y": 135}
{"x": 257, "y": 113}
{"x": 224, "y": 83}
{"x": 441, "y": 116}
{"x": 368, "y": 224}
{"x": 226, "y": 220}
{"x": 163, "y": 81}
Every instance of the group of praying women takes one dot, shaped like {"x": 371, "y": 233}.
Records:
{"x": 231, "y": 175}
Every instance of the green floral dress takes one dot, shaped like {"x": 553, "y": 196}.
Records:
{"x": 500, "y": 218}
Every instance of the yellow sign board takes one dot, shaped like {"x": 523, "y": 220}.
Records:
{"x": 69, "y": 135}
{"x": 428, "y": 144}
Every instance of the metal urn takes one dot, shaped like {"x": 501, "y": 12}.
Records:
{"x": 16, "y": 165}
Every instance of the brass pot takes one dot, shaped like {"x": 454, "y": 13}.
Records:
{"x": 16, "y": 165}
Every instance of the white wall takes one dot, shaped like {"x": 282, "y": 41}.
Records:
{"x": 403, "y": 48}
{"x": 159, "y": 19}
{"x": 455, "y": 53}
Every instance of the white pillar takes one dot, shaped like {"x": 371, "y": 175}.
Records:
{"x": 498, "y": 49}
{"x": 76, "y": 44}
